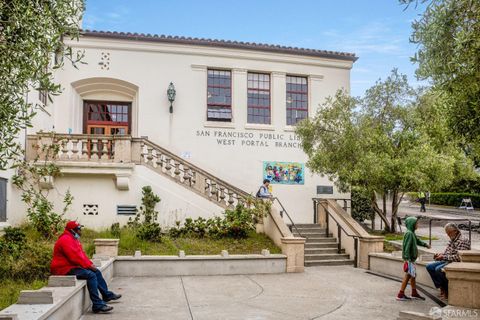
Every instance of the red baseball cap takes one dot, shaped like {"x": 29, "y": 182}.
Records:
{"x": 73, "y": 225}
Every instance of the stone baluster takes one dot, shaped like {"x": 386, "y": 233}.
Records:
{"x": 75, "y": 155}
{"x": 186, "y": 175}
{"x": 207, "y": 188}
{"x": 230, "y": 198}
{"x": 149, "y": 156}
{"x": 176, "y": 172}
{"x": 84, "y": 153}
{"x": 221, "y": 195}
{"x": 105, "y": 150}
{"x": 168, "y": 164}
{"x": 214, "y": 191}
{"x": 64, "y": 150}
{"x": 159, "y": 161}
{"x": 94, "y": 150}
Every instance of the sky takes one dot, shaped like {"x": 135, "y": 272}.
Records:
{"x": 377, "y": 31}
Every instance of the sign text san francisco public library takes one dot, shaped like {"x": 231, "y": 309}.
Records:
{"x": 252, "y": 139}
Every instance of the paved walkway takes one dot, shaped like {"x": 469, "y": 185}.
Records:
{"x": 319, "y": 293}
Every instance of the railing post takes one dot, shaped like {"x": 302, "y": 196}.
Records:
{"x": 355, "y": 243}
{"x": 122, "y": 149}
{"x": 315, "y": 211}
{"x": 327, "y": 214}
{"x": 339, "y": 233}
{"x": 430, "y": 232}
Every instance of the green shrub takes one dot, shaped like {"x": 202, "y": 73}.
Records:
{"x": 115, "y": 229}
{"x": 361, "y": 205}
{"x": 236, "y": 223}
{"x": 454, "y": 199}
{"x": 145, "y": 223}
{"x": 24, "y": 258}
{"x": 13, "y": 242}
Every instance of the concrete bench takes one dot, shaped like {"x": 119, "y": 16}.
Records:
{"x": 65, "y": 297}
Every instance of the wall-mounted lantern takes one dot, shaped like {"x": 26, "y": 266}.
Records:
{"x": 171, "y": 95}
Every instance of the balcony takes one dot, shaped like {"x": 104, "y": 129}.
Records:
{"x": 117, "y": 156}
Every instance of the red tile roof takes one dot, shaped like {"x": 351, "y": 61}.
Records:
{"x": 221, "y": 43}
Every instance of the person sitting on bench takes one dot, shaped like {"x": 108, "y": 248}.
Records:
{"x": 70, "y": 259}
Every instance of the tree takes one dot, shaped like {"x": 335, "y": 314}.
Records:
{"x": 448, "y": 39}
{"x": 31, "y": 47}
{"x": 381, "y": 143}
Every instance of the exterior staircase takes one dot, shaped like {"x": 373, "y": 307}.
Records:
{"x": 320, "y": 249}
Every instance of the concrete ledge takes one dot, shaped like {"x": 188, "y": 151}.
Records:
{"x": 62, "y": 281}
{"x": 392, "y": 265}
{"x": 68, "y": 302}
{"x": 151, "y": 266}
{"x": 36, "y": 297}
{"x": 463, "y": 284}
{"x": 469, "y": 255}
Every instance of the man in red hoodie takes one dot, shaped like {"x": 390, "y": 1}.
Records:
{"x": 70, "y": 259}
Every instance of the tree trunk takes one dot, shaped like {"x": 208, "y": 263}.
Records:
{"x": 393, "y": 221}
{"x": 395, "y": 204}
{"x": 379, "y": 211}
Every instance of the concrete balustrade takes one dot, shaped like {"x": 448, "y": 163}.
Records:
{"x": 345, "y": 229}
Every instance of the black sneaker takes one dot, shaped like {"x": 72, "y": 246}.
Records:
{"x": 102, "y": 309}
{"x": 113, "y": 297}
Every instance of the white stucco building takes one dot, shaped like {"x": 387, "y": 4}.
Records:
{"x": 234, "y": 113}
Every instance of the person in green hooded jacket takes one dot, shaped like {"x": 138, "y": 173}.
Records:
{"x": 409, "y": 255}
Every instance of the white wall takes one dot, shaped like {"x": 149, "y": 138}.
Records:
{"x": 148, "y": 68}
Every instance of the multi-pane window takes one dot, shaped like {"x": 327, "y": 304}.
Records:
{"x": 297, "y": 99}
{"x": 219, "y": 95}
{"x": 258, "y": 98}
{"x": 107, "y": 112}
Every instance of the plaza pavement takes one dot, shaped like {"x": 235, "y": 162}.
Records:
{"x": 330, "y": 293}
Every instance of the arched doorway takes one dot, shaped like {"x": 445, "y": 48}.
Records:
{"x": 106, "y": 106}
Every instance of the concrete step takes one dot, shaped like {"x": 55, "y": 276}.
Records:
{"x": 313, "y": 237}
{"x": 313, "y": 263}
{"x": 326, "y": 256}
{"x": 307, "y": 225}
{"x": 322, "y": 245}
{"x": 312, "y": 233}
{"x": 321, "y": 250}
{"x": 321, "y": 240}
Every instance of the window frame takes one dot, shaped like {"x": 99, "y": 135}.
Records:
{"x": 87, "y": 122}
{"x": 226, "y": 105}
{"x": 269, "y": 90}
{"x": 305, "y": 93}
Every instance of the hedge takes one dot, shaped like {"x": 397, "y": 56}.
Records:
{"x": 449, "y": 198}
{"x": 454, "y": 199}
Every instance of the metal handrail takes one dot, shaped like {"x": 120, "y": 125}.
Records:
{"x": 339, "y": 235}
{"x": 316, "y": 200}
{"x": 284, "y": 210}
{"x": 447, "y": 219}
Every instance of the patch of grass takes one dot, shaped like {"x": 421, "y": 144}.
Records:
{"x": 10, "y": 290}
{"x": 254, "y": 243}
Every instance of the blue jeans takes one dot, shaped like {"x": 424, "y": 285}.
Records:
{"x": 438, "y": 277}
{"x": 95, "y": 283}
